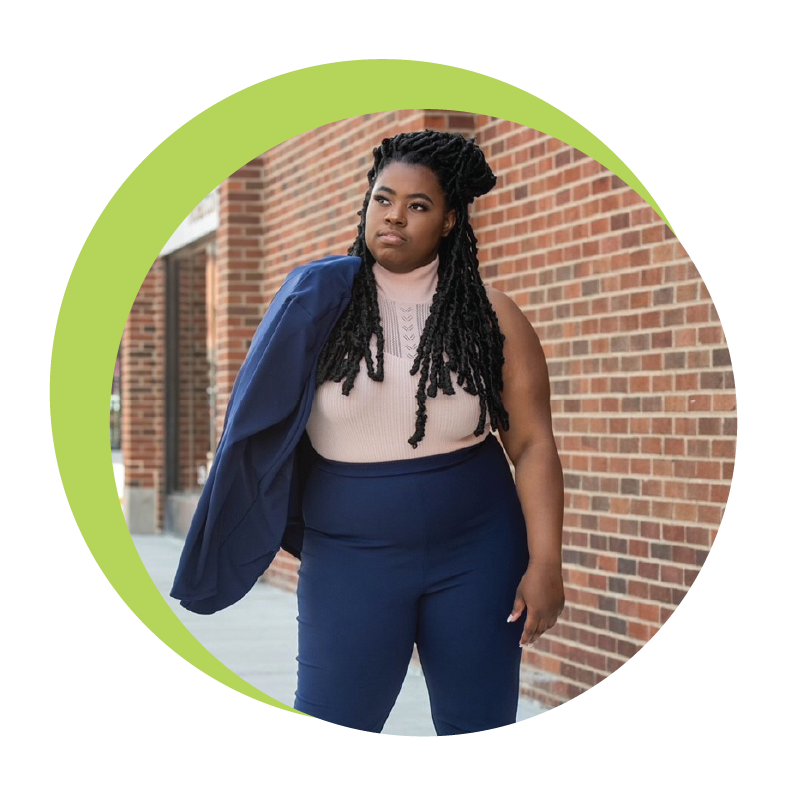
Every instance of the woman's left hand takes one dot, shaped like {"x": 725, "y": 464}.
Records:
{"x": 541, "y": 592}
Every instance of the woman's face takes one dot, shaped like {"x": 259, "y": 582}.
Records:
{"x": 407, "y": 217}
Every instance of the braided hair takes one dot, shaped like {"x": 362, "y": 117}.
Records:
{"x": 462, "y": 322}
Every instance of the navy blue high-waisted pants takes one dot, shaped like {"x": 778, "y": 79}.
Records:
{"x": 427, "y": 550}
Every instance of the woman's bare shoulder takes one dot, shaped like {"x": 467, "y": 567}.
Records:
{"x": 526, "y": 387}
{"x": 498, "y": 299}
{"x": 512, "y": 320}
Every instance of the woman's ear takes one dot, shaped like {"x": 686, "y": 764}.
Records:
{"x": 449, "y": 222}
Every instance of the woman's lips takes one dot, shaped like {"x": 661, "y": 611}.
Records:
{"x": 391, "y": 238}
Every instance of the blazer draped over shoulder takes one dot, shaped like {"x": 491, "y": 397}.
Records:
{"x": 251, "y": 503}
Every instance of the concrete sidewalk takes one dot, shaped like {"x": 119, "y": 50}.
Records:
{"x": 257, "y": 639}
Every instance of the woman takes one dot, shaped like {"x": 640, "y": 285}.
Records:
{"x": 414, "y": 528}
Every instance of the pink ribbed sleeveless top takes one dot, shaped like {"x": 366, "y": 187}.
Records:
{"x": 376, "y": 420}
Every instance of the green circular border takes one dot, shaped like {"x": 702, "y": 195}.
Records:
{"x": 143, "y": 214}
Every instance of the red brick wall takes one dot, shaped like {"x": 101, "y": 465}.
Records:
{"x": 239, "y": 268}
{"x": 142, "y": 388}
{"x": 642, "y": 393}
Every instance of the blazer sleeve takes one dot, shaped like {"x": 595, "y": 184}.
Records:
{"x": 244, "y": 507}
{"x": 251, "y": 455}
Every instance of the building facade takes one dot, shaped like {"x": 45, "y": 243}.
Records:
{"x": 642, "y": 390}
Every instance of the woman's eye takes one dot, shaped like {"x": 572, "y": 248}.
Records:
{"x": 379, "y": 198}
{"x": 419, "y": 207}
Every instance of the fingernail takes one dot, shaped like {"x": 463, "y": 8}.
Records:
{"x": 509, "y": 616}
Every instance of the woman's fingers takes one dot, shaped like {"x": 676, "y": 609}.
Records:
{"x": 537, "y": 628}
{"x": 519, "y": 607}
{"x": 531, "y": 630}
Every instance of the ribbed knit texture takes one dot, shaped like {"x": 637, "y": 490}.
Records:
{"x": 376, "y": 420}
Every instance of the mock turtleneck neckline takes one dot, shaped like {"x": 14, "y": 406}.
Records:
{"x": 417, "y": 286}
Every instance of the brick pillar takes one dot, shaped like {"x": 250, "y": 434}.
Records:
{"x": 237, "y": 281}
{"x": 193, "y": 411}
{"x": 142, "y": 405}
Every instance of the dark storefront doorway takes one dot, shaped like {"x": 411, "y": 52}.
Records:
{"x": 189, "y": 379}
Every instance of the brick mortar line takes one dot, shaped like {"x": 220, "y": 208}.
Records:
{"x": 608, "y": 515}
{"x": 682, "y": 393}
{"x": 633, "y": 598}
{"x": 637, "y": 270}
{"x": 483, "y": 247}
{"x": 676, "y": 370}
{"x": 587, "y": 220}
{"x": 619, "y": 636}
{"x": 721, "y": 437}
{"x": 592, "y": 494}
{"x": 639, "y": 414}
{"x": 652, "y": 560}
{"x": 598, "y": 276}
{"x": 645, "y": 414}
{"x": 708, "y": 526}
{"x": 628, "y": 538}
{"x": 643, "y": 559}
{"x": 650, "y": 351}
{"x": 612, "y": 273}
{"x": 710, "y": 414}
{"x": 677, "y": 393}
{"x": 577, "y": 183}
{"x": 657, "y": 456}
{"x": 590, "y": 571}
{"x": 658, "y": 498}
{"x": 580, "y": 203}
{"x": 631, "y": 332}
{"x": 623, "y": 496}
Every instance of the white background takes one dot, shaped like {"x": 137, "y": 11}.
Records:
{"x": 696, "y": 98}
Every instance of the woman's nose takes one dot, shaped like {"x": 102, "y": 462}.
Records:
{"x": 395, "y": 215}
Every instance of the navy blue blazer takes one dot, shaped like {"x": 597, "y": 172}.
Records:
{"x": 251, "y": 503}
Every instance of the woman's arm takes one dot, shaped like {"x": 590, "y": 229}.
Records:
{"x": 531, "y": 447}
